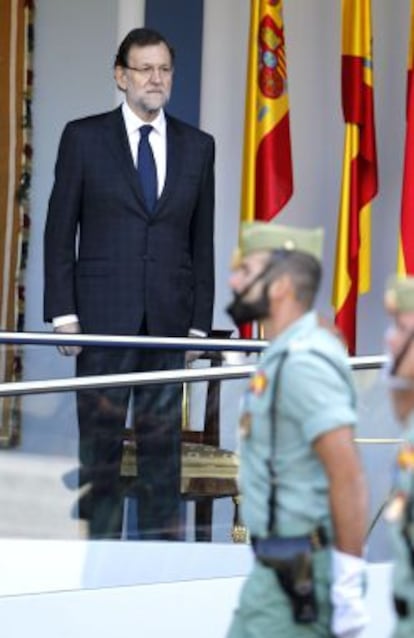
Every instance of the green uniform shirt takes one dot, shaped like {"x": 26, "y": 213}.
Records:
{"x": 314, "y": 397}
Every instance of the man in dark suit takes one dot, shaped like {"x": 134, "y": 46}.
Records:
{"x": 129, "y": 250}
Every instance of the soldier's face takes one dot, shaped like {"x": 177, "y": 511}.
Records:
{"x": 247, "y": 271}
{"x": 147, "y": 81}
{"x": 250, "y": 290}
{"x": 400, "y": 344}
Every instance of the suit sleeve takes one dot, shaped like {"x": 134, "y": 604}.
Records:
{"x": 202, "y": 241}
{"x": 61, "y": 228}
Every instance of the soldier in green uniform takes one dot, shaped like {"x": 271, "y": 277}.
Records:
{"x": 303, "y": 491}
{"x": 399, "y": 301}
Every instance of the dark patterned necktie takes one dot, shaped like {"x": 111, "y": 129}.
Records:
{"x": 146, "y": 169}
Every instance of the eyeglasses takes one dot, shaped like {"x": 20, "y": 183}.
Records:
{"x": 148, "y": 71}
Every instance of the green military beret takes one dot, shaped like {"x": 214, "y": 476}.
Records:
{"x": 257, "y": 236}
{"x": 399, "y": 294}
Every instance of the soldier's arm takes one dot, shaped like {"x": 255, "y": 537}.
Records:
{"x": 347, "y": 488}
{"x": 348, "y": 503}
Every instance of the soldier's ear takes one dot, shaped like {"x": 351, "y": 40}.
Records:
{"x": 279, "y": 287}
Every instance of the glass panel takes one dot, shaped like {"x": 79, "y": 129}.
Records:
{"x": 45, "y": 547}
{"x": 43, "y": 544}
{"x": 378, "y": 435}
{"x": 33, "y": 499}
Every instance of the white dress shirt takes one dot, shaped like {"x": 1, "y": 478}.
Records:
{"x": 157, "y": 139}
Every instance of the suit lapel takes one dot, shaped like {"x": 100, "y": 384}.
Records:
{"x": 117, "y": 141}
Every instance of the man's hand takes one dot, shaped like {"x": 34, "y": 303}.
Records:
{"x": 193, "y": 355}
{"x": 69, "y": 328}
{"x": 349, "y": 616}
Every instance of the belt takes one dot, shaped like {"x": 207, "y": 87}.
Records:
{"x": 319, "y": 538}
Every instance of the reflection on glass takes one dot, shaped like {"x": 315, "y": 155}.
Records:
{"x": 377, "y": 435}
{"x": 53, "y": 488}
{"x": 42, "y": 489}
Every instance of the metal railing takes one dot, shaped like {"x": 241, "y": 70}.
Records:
{"x": 226, "y": 372}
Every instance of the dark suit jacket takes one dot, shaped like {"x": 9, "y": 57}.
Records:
{"x": 129, "y": 262}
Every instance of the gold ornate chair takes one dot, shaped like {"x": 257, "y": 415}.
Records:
{"x": 208, "y": 472}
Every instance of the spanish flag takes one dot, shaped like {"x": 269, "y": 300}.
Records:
{"x": 267, "y": 179}
{"x": 359, "y": 175}
{"x": 406, "y": 240}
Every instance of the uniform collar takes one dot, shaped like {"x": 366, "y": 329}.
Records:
{"x": 299, "y": 329}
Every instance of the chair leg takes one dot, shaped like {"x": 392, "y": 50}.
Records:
{"x": 239, "y": 532}
{"x": 203, "y": 520}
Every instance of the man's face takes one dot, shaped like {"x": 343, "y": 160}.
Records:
{"x": 249, "y": 268}
{"x": 148, "y": 80}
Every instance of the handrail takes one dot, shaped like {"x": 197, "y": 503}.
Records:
{"x": 168, "y": 376}
{"x": 368, "y": 362}
{"x": 129, "y": 379}
{"x": 119, "y": 341}
{"x": 168, "y": 343}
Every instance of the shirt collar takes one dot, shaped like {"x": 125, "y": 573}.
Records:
{"x": 133, "y": 122}
{"x": 299, "y": 329}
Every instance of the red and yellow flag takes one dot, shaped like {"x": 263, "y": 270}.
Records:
{"x": 406, "y": 240}
{"x": 359, "y": 176}
{"x": 267, "y": 179}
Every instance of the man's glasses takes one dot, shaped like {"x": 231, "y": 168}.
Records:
{"x": 148, "y": 71}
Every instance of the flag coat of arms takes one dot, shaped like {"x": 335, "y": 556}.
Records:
{"x": 267, "y": 176}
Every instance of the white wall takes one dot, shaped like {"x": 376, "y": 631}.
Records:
{"x": 201, "y": 607}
